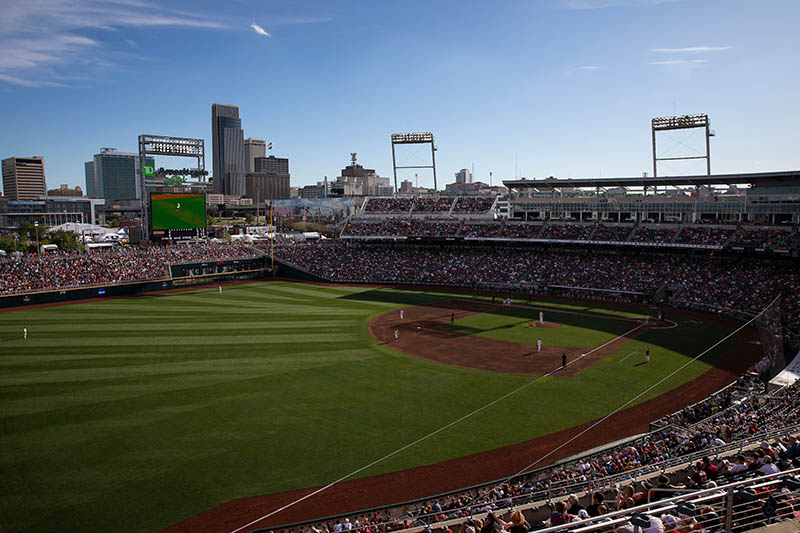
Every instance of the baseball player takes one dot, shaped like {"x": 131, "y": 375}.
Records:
{"x": 647, "y": 355}
{"x": 401, "y": 314}
{"x": 564, "y": 361}
{"x": 541, "y": 317}
{"x": 539, "y": 345}
{"x": 24, "y": 333}
{"x": 220, "y": 289}
{"x": 396, "y": 335}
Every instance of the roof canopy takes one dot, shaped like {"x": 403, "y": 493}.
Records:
{"x": 782, "y": 178}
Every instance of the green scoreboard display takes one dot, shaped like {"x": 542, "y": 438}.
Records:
{"x": 178, "y": 211}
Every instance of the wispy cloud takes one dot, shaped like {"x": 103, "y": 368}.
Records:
{"x": 13, "y": 80}
{"x": 691, "y": 49}
{"x": 677, "y": 62}
{"x": 601, "y": 4}
{"x": 42, "y": 42}
{"x": 259, "y": 30}
{"x": 590, "y": 67}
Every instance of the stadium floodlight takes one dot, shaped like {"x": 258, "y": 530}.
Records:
{"x": 682, "y": 122}
{"x": 414, "y": 138}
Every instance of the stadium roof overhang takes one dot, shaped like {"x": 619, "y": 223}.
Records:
{"x": 764, "y": 179}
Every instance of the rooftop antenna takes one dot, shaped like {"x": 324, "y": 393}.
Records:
{"x": 353, "y": 158}
{"x": 416, "y": 179}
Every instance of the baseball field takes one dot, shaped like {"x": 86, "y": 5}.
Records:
{"x": 135, "y": 414}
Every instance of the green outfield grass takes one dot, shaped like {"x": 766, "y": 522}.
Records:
{"x": 133, "y": 414}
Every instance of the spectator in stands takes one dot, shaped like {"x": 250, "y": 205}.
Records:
{"x": 559, "y": 515}
{"x": 783, "y": 461}
{"x": 740, "y": 465}
{"x": 711, "y": 470}
{"x": 670, "y": 523}
{"x": 518, "y": 523}
{"x": 493, "y": 524}
{"x": 574, "y": 505}
{"x": 597, "y": 501}
{"x": 769, "y": 467}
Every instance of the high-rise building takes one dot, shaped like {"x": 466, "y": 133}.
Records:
{"x": 114, "y": 176}
{"x": 23, "y": 178}
{"x": 272, "y": 165}
{"x": 270, "y": 181}
{"x": 227, "y": 139}
{"x": 464, "y": 176}
{"x": 253, "y": 148}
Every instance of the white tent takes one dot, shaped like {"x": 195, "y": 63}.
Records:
{"x": 88, "y": 229}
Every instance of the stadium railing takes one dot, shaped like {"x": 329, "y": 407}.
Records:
{"x": 608, "y": 483}
{"x": 738, "y": 506}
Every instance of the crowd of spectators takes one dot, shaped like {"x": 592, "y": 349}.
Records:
{"x": 67, "y": 269}
{"x": 567, "y": 232}
{"x": 769, "y": 238}
{"x": 710, "y": 236}
{"x": 697, "y": 281}
{"x": 522, "y": 230}
{"x": 744, "y": 386}
{"x": 399, "y": 227}
{"x": 433, "y": 205}
{"x": 361, "y": 229}
{"x": 438, "y": 229}
{"x": 734, "y": 285}
{"x": 696, "y": 234}
{"x": 389, "y": 205}
{"x": 653, "y": 235}
{"x": 492, "y": 230}
{"x": 473, "y": 204}
{"x": 612, "y": 233}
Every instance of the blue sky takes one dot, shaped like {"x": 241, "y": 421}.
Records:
{"x": 533, "y": 88}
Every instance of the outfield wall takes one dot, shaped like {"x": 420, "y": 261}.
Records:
{"x": 184, "y": 275}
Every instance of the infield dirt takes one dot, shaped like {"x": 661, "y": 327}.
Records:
{"x": 422, "y": 332}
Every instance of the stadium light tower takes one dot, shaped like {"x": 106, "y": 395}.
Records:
{"x": 169, "y": 146}
{"x": 683, "y": 122}
{"x": 414, "y": 138}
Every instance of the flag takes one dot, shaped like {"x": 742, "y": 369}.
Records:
{"x": 269, "y": 146}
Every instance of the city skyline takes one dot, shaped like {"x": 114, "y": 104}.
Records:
{"x": 563, "y": 88}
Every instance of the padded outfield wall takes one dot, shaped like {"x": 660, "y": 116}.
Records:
{"x": 181, "y": 276}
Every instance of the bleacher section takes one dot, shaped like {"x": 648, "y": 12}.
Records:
{"x": 711, "y": 237}
{"x": 726, "y": 285}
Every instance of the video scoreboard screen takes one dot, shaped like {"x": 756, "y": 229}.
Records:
{"x": 178, "y": 211}
{"x": 177, "y": 215}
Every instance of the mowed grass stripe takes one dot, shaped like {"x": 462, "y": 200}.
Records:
{"x": 100, "y": 428}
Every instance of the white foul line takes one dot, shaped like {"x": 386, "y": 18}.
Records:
{"x": 614, "y": 339}
{"x": 630, "y": 354}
